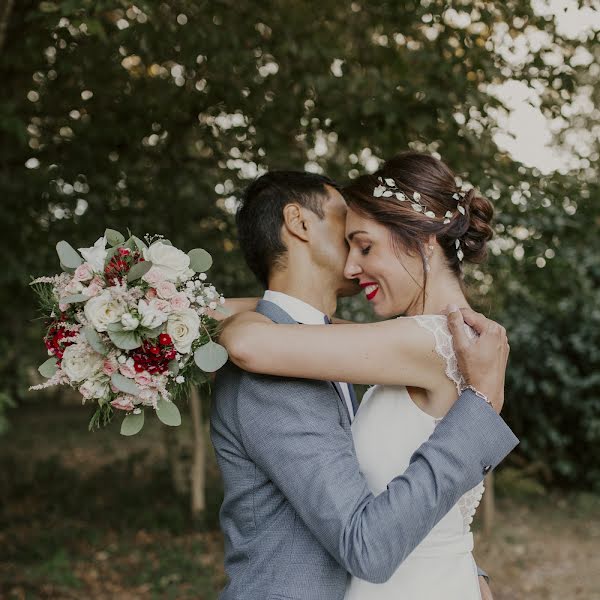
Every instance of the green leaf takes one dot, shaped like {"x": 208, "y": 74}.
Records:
{"x": 173, "y": 367}
{"x": 153, "y": 333}
{"x": 125, "y": 384}
{"x": 49, "y": 368}
{"x": 125, "y": 340}
{"x": 200, "y": 260}
{"x": 68, "y": 255}
{"x": 220, "y": 308}
{"x": 118, "y": 326}
{"x": 66, "y": 269}
{"x": 168, "y": 413}
{"x": 141, "y": 246}
{"x": 74, "y": 298}
{"x": 94, "y": 340}
{"x": 132, "y": 423}
{"x": 139, "y": 270}
{"x": 113, "y": 237}
{"x": 210, "y": 357}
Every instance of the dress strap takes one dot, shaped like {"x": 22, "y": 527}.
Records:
{"x": 438, "y": 325}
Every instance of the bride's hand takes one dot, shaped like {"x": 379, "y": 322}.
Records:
{"x": 236, "y": 331}
{"x": 486, "y": 593}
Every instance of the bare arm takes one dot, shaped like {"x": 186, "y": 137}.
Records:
{"x": 394, "y": 352}
{"x": 233, "y": 306}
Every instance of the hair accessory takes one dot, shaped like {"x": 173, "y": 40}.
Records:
{"x": 388, "y": 188}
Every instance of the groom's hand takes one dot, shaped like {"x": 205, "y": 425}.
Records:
{"x": 482, "y": 361}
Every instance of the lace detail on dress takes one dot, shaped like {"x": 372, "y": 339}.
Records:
{"x": 438, "y": 325}
{"x": 468, "y": 504}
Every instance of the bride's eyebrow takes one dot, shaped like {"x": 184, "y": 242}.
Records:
{"x": 352, "y": 234}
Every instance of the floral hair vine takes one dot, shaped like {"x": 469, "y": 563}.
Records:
{"x": 388, "y": 188}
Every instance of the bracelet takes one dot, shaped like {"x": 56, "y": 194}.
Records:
{"x": 477, "y": 393}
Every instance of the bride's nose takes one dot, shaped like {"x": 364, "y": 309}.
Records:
{"x": 351, "y": 269}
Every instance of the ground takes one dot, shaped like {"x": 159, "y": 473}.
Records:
{"x": 93, "y": 516}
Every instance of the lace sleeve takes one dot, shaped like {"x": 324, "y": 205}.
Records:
{"x": 438, "y": 325}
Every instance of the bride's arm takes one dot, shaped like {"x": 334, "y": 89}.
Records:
{"x": 233, "y": 306}
{"x": 394, "y": 352}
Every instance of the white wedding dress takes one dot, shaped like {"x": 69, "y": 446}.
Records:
{"x": 387, "y": 430}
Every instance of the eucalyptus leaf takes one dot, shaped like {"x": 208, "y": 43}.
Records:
{"x": 210, "y": 357}
{"x": 118, "y": 326}
{"x": 66, "y": 269}
{"x": 139, "y": 270}
{"x": 168, "y": 413}
{"x": 125, "y": 340}
{"x": 49, "y": 368}
{"x": 141, "y": 246}
{"x": 125, "y": 384}
{"x": 113, "y": 237}
{"x": 153, "y": 333}
{"x": 74, "y": 298}
{"x": 94, "y": 340}
{"x": 68, "y": 255}
{"x": 173, "y": 367}
{"x": 220, "y": 308}
{"x": 200, "y": 260}
{"x": 132, "y": 423}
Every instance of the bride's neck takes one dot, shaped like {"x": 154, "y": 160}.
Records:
{"x": 442, "y": 289}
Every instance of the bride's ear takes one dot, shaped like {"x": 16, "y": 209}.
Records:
{"x": 294, "y": 221}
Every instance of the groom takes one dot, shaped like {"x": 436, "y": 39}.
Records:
{"x": 297, "y": 513}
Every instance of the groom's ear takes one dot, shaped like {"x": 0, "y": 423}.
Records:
{"x": 294, "y": 221}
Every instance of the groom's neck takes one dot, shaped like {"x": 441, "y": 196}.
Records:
{"x": 322, "y": 297}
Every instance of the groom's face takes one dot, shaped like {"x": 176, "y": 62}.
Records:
{"x": 330, "y": 250}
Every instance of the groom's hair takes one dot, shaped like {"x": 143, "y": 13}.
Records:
{"x": 260, "y": 216}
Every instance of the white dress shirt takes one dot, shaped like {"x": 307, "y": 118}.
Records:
{"x": 307, "y": 315}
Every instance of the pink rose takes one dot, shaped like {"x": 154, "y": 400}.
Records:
{"x": 151, "y": 294}
{"x": 83, "y": 272}
{"x": 180, "y": 301}
{"x": 162, "y": 305}
{"x": 154, "y": 276}
{"x": 127, "y": 371}
{"x": 143, "y": 378}
{"x": 97, "y": 281}
{"x": 122, "y": 403}
{"x": 166, "y": 289}
{"x": 110, "y": 366}
{"x": 92, "y": 290}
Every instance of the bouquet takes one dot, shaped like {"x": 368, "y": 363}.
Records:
{"x": 127, "y": 326}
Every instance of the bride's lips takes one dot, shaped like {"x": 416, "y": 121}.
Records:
{"x": 371, "y": 288}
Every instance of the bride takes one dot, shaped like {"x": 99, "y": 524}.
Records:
{"x": 409, "y": 232}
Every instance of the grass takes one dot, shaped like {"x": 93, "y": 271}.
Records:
{"x": 93, "y": 515}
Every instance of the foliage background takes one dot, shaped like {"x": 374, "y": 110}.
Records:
{"x": 154, "y": 115}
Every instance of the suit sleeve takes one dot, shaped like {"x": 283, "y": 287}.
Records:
{"x": 292, "y": 431}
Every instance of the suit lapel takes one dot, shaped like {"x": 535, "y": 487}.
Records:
{"x": 278, "y": 315}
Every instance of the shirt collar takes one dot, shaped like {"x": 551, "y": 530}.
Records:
{"x": 297, "y": 309}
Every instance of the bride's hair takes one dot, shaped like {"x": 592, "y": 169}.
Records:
{"x": 461, "y": 233}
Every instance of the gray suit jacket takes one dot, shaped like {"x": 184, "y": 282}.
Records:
{"x": 297, "y": 514}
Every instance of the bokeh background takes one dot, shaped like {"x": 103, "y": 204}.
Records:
{"x": 154, "y": 115}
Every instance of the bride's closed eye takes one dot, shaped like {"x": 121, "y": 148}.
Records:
{"x": 366, "y": 250}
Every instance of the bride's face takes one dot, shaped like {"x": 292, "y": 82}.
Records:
{"x": 391, "y": 279}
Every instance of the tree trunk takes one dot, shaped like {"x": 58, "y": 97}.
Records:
{"x": 198, "y": 474}
{"x": 5, "y": 10}
{"x": 177, "y": 464}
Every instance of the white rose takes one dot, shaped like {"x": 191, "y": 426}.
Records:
{"x": 184, "y": 327}
{"x": 95, "y": 387}
{"x": 151, "y": 313}
{"x": 96, "y": 255}
{"x": 171, "y": 262}
{"x": 129, "y": 322}
{"x": 80, "y": 362}
{"x": 102, "y": 310}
